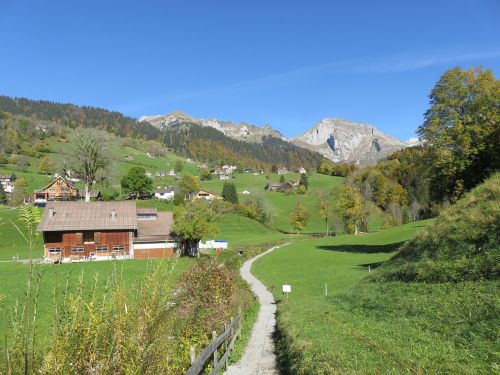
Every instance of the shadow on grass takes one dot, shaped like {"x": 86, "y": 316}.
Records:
{"x": 366, "y": 249}
{"x": 371, "y": 265}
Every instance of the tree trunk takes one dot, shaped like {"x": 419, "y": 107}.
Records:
{"x": 326, "y": 223}
{"x": 87, "y": 192}
{"x": 355, "y": 228}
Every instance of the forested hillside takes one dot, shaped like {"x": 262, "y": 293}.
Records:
{"x": 190, "y": 140}
{"x": 205, "y": 143}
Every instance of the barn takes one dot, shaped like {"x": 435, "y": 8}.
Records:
{"x": 81, "y": 231}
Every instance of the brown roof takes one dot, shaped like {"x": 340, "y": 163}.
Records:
{"x": 79, "y": 216}
{"x": 160, "y": 227}
{"x": 54, "y": 181}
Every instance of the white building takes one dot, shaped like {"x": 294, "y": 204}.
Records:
{"x": 165, "y": 194}
{"x": 213, "y": 244}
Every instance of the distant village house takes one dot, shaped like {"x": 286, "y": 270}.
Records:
{"x": 202, "y": 195}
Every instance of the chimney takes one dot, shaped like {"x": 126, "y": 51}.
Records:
{"x": 52, "y": 213}
{"x": 113, "y": 214}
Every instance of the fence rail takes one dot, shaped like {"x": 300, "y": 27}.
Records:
{"x": 225, "y": 339}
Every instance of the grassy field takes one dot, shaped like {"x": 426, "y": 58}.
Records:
{"x": 280, "y": 205}
{"x": 240, "y": 230}
{"x": 370, "y": 327}
{"x": 13, "y": 278}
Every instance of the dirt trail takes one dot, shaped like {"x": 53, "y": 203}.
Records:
{"x": 259, "y": 356}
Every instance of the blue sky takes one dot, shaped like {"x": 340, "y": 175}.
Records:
{"x": 284, "y": 63}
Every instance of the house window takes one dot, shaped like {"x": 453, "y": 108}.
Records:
{"x": 101, "y": 248}
{"x": 88, "y": 236}
{"x": 118, "y": 247}
{"x": 78, "y": 249}
{"x": 54, "y": 250}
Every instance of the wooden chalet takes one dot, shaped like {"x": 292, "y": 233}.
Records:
{"x": 75, "y": 231}
{"x": 202, "y": 195}
{"x": 58, "y": 190}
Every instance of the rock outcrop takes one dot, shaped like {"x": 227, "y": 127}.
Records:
{"x": 344, "y": 141}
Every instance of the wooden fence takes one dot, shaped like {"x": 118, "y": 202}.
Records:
{"x": 210, "y": 353}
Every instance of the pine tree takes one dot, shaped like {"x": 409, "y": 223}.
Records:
{"x": 229, "y": 192}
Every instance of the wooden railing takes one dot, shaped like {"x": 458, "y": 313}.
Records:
{"x": 210, "y": 353}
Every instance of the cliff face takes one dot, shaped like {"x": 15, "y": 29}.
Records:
{"x": 344, "y": 141}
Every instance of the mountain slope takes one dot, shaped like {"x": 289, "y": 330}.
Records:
{"x": 344, "y": 141}
{"x": 241, "y": 131}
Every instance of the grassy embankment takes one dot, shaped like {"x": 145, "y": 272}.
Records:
{"x": 366, "y": 327}
{"x": 431, "y": 309}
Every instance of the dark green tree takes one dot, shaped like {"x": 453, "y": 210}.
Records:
{"x": 282, "y": 179}
{"x": 229, "y": 192}
{"x": 136, "y": 184}
{"x": 304, "y": 181}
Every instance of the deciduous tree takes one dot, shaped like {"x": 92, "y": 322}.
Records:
{"x": 47, "y": 165}
{"x": 194, "y": 221}
{"x": 189, "y": 183}
{"x": 20, "y": 192}
{"x": 350, "y": 208}
{"x": 462, "y": 131}
{"x": 136, "y": 184}
{"x": 299, "y": 217}
{"x": 325, "y": 208}
{"x": 88, "y": 158}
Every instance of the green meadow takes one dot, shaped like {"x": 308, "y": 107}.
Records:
{"x": 335, "y": 321}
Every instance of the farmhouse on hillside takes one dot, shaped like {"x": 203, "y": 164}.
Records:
{"x": 58, "y": 190}
{"x": 79, "y": 231}
{"x": 202, "y": 195}
{"x": 7, "y": 184}
{"x": 165, "y": 194}
{"x": 282, "y": 170}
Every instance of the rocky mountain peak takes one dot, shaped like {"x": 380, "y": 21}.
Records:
{"x": 344, "y": 141}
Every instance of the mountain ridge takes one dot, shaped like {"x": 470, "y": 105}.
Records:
{"x": 336, "y": 139}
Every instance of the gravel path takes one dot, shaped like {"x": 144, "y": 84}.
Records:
{"x": 259, "y": 357}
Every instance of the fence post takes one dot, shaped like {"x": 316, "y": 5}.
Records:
{"x": 230, "y": 337}
{"x": 192, "y": 354}
{"x": 214, "y": 336}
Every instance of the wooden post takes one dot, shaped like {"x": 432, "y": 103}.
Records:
{"x": 214, "y": 336}
{"x": 192, "y": 354}
{"x": 326, "y": 290}
{"x": 230, "y": 337}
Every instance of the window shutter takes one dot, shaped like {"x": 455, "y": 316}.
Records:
{"x": 97, "y": 237}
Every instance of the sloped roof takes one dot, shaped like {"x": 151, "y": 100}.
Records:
{"x": 78, "y": 216}
{"x": 160, "y": 227}
{"x": 54, "y": 181}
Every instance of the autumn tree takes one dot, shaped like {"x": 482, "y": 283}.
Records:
{"x": 324, "y": 206}
{"x": 350, "y": 208}
{"x": 194, "y": 221}
{"x": 20, "y": 192}
{"x": 88, "y": 158}
{"x": 178, "y": 166}
{"x": 136, "y": 184}
{"x": 299, "y": 217}
{"x": 189, "y": 183}
{"x": 47, "y": 165}
{"x": 229, "y": 192}
{"x": 462, "y": 131}
{"x": 205, "y": 174}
